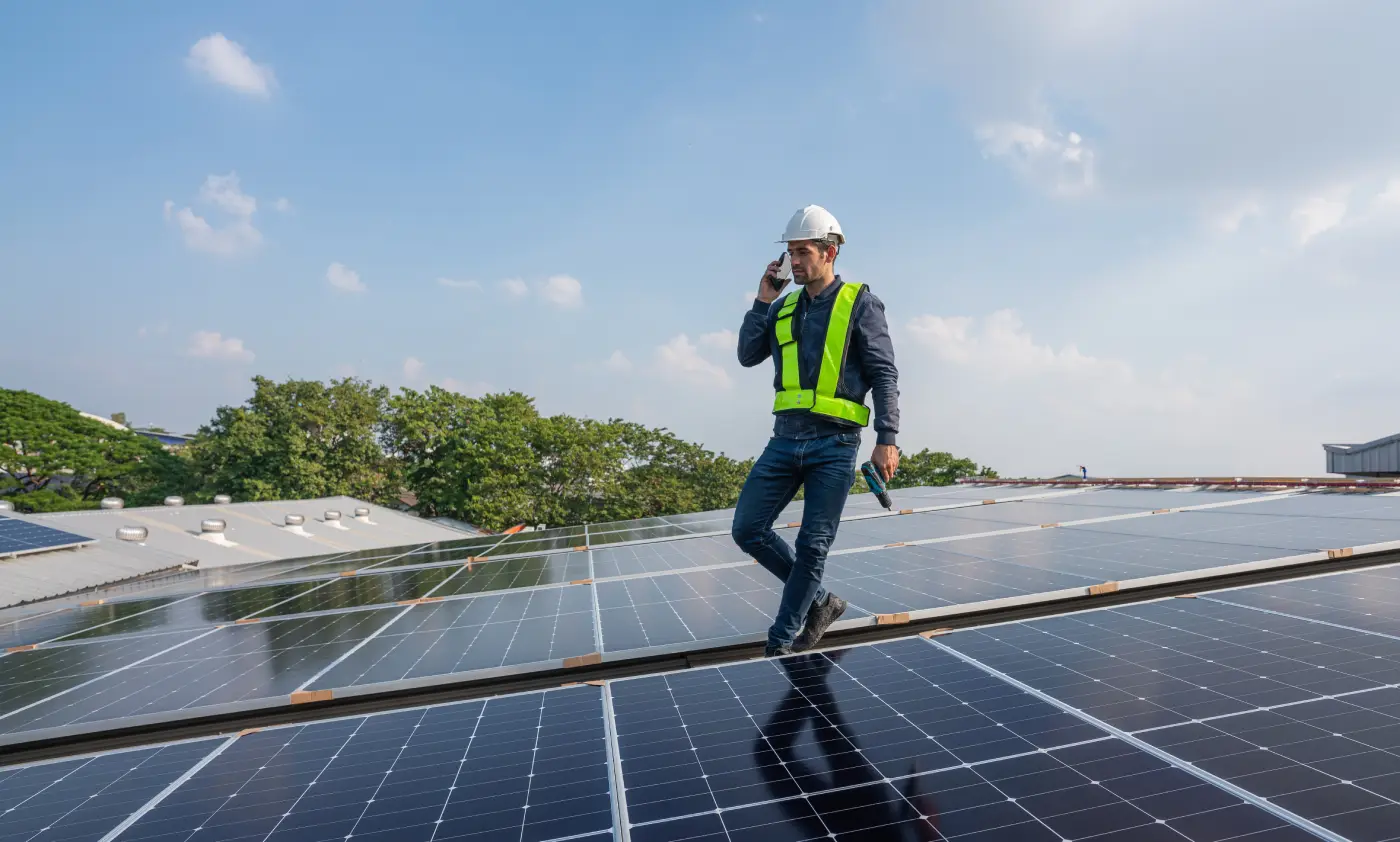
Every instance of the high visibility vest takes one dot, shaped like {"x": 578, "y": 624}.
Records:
{"x": 822, "y": 400}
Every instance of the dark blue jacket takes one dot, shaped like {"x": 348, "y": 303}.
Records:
{"x": 869, "y": 361}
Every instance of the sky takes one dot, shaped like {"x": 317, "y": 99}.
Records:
{"x": 1151, "y": 238}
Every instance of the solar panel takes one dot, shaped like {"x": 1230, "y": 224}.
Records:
{"x": 897, "y": 741}
{"x": 20, "y": 537}
{"x": 531, "y": 767}
{"x": 1302, "y": 712}
{"x": 87, "y": 798}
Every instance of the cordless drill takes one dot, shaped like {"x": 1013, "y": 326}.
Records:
{"x": 877, "y": 485}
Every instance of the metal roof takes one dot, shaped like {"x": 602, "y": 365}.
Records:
{"x": 1374, "y": 458}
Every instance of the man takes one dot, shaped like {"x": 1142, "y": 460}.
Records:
{"x": 830, "y": 345}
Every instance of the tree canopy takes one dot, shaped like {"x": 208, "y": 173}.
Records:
{"x": 494, "y": 461}
{"x": 53, "y": 458}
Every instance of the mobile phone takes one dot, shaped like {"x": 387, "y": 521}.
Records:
{"x": 784, "y": 271}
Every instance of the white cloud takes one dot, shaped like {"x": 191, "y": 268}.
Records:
{"x": 1390, "y": 195}
{"x": 563, "y": 291}
{"x": 227, "y": 63}
{"x": 1229, "y": 220}
{"x": 238, "y": 236}
{"x": 720, "y": 340}
{"x": 344, "y": 279}
{"x": 282, "y": 205}
{"x": 413, "y": 368}
{"x": 617, "y": 363}
{"x": 212, "y": 345}
{"x": 1318, "y": 214}
{"x": 1062, "y": 162}
{"x": 679, "y": 360}
{"x": 223, "y": 191}
{"x": 454, "y": 284}
{"x": 515, "y": 288}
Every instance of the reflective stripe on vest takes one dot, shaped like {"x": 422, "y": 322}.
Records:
{"x": 821, "y": 400}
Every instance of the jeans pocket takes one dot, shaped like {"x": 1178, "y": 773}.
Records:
{"x": 848, "y": 439}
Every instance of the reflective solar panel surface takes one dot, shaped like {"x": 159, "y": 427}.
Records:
{"x": 20, "y": 536}
{"x": 445, "y": 615}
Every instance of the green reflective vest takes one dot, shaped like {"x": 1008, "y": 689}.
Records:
{"x": 822, "y": 400}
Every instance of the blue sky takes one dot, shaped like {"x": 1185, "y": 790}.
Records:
{"x": 1149, "y": 238}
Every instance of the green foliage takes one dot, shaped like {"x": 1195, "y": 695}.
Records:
{"x": 58, "y": 460}
{"x": 495, "y": 461}
{"x": 297, "y": 439}
{"x": 928, "y": 468}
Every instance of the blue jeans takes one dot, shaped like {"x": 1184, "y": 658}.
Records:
{"x": 826, "y": 468}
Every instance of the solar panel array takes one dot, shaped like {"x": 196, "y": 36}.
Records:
{"x": 1270, "y": 712}
{"x": 20, "y": 537}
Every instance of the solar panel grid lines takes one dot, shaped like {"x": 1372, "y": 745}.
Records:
{"x": 695, "y": 766}
{"x": 86, "y": 798}
{"x": 22, "y": 537}
{"x": 1245, "y": 795}
{"x": 531, "y": 767}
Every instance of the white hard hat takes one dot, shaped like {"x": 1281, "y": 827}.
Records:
{"x": 813, "y": 222}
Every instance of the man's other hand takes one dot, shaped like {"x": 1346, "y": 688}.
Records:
{"x": 886, "y": 460}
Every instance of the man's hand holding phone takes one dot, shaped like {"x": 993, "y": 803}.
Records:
{"x": 776, "y": 277}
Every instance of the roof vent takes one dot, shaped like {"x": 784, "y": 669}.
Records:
{"x": 112, "y": 503}
{"x": 332, "y": 515}
{"x": 6, "y": 506}
{"x": 294, "y": 525}
{"x": 135, "y": 534}
{"x": 332, "y": 519}
{"x": 174, "y": 501}
{"x": 212, "y": 530}
{"x": 222, "y": 499}
{"x": 362, "y": 515}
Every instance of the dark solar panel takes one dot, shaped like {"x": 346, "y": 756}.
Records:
{"x": 87, "y": 798}
{"x": 530, "y": 768}
{"x": 898, "y": 741}
{"x": 18, "y": 537}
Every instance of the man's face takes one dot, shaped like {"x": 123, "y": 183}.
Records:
{"x": 809, "y": 260}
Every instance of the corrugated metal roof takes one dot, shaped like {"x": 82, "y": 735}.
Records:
{"x": 1374, "y": 458}
{"x": 257, "y": 531}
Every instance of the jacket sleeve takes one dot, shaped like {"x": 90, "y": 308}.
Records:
{"x": 753, "y": 336}
{"x": 872, "y": 339}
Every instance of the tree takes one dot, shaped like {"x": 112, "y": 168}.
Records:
{"x": 928, "y": 467}
{"x": 53, "y": 458}
{"x": 120, "y": 418}
{"x": 297, "y": 439}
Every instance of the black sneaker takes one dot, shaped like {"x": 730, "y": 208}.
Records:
{"x": 776, "y": 651}
{"x": 819, "y": 619}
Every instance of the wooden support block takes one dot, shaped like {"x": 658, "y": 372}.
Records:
{"x": 24, "y": 648}
{"x": 988, "y": 502}
{"x": 582, "y": 582}
{"x": 934, "y": 633}
{"x": 347, "y": 572}
{"x": 302, "y": 697}
{"x": 895, "y": 544}
{"x": 92, "y": 602}
{"x": 581, "y": 549}
{"x": 1161, "y": 511}
{"x": 1048, "y": 525}
{"x": 892, "y": 619}
{"x": 420, "y": 600}
{"x": 1342, "y": 553}
{"x": 247, "y": 620}
{"x": 569, "y": 684}
{"x": 482, "y": 558}
{"x": 583, "y": 660}
{"x": 795, "y": 524}
{"x": 906, "y": 511}
{"x": 1106, "y": 587}
{"x": 246, "y": 731}
{"x": 1185, "y": 596}
{"x": 595, "y": 683}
